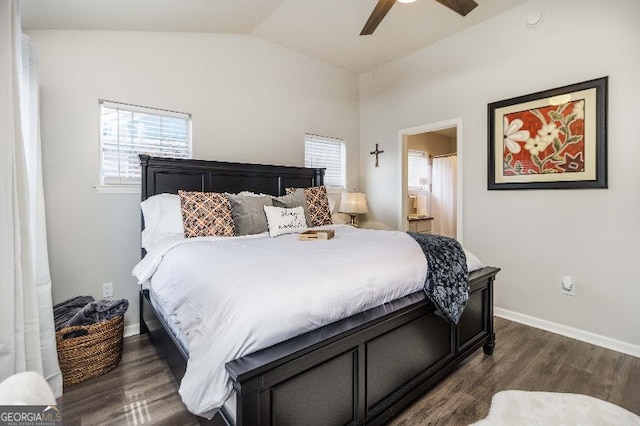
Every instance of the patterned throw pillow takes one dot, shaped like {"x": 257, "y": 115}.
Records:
{"x": 206, "y": 214}
{"x": 317, "y": 205}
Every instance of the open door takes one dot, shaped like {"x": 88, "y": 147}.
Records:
{"x": 431, "y": 181}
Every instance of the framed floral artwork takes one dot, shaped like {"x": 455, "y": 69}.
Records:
{"x": 556, "y": 139}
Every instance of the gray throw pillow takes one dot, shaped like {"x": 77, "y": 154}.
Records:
{"x": 248, "y": 213}
{"x": 295, "y": 199}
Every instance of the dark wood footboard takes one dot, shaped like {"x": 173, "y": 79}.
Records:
{"x": 361, "y": 370}
{"x": 364, "y": 369}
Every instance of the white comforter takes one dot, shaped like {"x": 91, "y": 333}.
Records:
{"x": 234, "y": 296}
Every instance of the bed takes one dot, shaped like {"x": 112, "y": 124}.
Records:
{"x": 362, "y": 369}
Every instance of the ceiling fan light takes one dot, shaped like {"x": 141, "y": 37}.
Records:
{"x": 406, "y": 1}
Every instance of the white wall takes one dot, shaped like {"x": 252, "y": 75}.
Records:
{"x": 536, "y": 237}
{"x": 251, "y": 100}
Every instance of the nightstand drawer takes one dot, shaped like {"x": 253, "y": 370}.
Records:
{"x": 420, "y": 225}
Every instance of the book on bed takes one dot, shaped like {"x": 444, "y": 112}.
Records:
{"x": 316, "y": 235}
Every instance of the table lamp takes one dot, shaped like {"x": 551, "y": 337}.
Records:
{"x": 353, "y": 203}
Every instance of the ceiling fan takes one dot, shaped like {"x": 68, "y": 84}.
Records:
{"x": 463, "y": 7}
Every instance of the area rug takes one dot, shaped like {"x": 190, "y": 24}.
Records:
{"x": 550, "y": 408}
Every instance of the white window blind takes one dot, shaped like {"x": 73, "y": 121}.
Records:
{"x": 321, "y": 151}
{"x": 129, "y": 130}
{"x": 419, "y": 170}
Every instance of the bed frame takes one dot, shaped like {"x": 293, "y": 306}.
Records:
{"x": 361, "y": 370}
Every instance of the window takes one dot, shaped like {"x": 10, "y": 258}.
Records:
{"x": 320, "y": 151}
{"x": 129, "y": 130}
{"x": 419, "y": 170}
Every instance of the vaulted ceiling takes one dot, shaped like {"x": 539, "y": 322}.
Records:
{"x": 325, "y": 29}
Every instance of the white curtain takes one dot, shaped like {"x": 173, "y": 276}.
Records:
{"x": 27, "y": 335}
{"x": 444, "y": 197}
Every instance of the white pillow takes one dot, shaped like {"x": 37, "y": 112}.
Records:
{"x": 251, "y": 194}
{"x": 473, "y": 263}
{"x": 162, "y": 218}
{"x": 285, "y": 221}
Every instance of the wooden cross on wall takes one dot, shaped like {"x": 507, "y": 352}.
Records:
{"x": 376, "y": 152}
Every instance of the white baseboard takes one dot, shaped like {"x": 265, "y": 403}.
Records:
{"x": 131, "y": 329}
{"x": 574, "y": 333}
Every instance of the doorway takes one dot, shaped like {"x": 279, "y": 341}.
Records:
{"x": 431, "y": 178}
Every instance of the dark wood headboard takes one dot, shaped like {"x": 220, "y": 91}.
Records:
{"x": 168, "y": 175}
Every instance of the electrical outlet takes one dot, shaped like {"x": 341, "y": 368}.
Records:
{"x": 568, "y": 286}
{"x": 107, "y": 290}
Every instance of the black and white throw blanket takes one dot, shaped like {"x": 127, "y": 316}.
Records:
{"x": 447, "y": 283}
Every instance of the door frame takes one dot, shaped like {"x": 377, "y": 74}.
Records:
{"x": 402, "y": 149}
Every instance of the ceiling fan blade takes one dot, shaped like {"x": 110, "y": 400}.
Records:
{"x": 463, "y": 7}
{"x": 379, "y": 12}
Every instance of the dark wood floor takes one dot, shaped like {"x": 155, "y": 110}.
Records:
{"x": 141, "y": 390}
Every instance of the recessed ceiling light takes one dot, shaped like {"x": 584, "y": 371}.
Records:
{"x": 534, "y": 19}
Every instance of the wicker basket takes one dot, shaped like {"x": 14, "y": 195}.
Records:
{"x": 95, "y": 351}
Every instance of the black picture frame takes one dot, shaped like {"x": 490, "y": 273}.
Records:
{"x": 554, "y": 139}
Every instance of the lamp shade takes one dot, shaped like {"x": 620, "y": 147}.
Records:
{"x": 353, "y": 203}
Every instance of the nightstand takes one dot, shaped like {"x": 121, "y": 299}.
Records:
{"x": 420, "y": 224}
